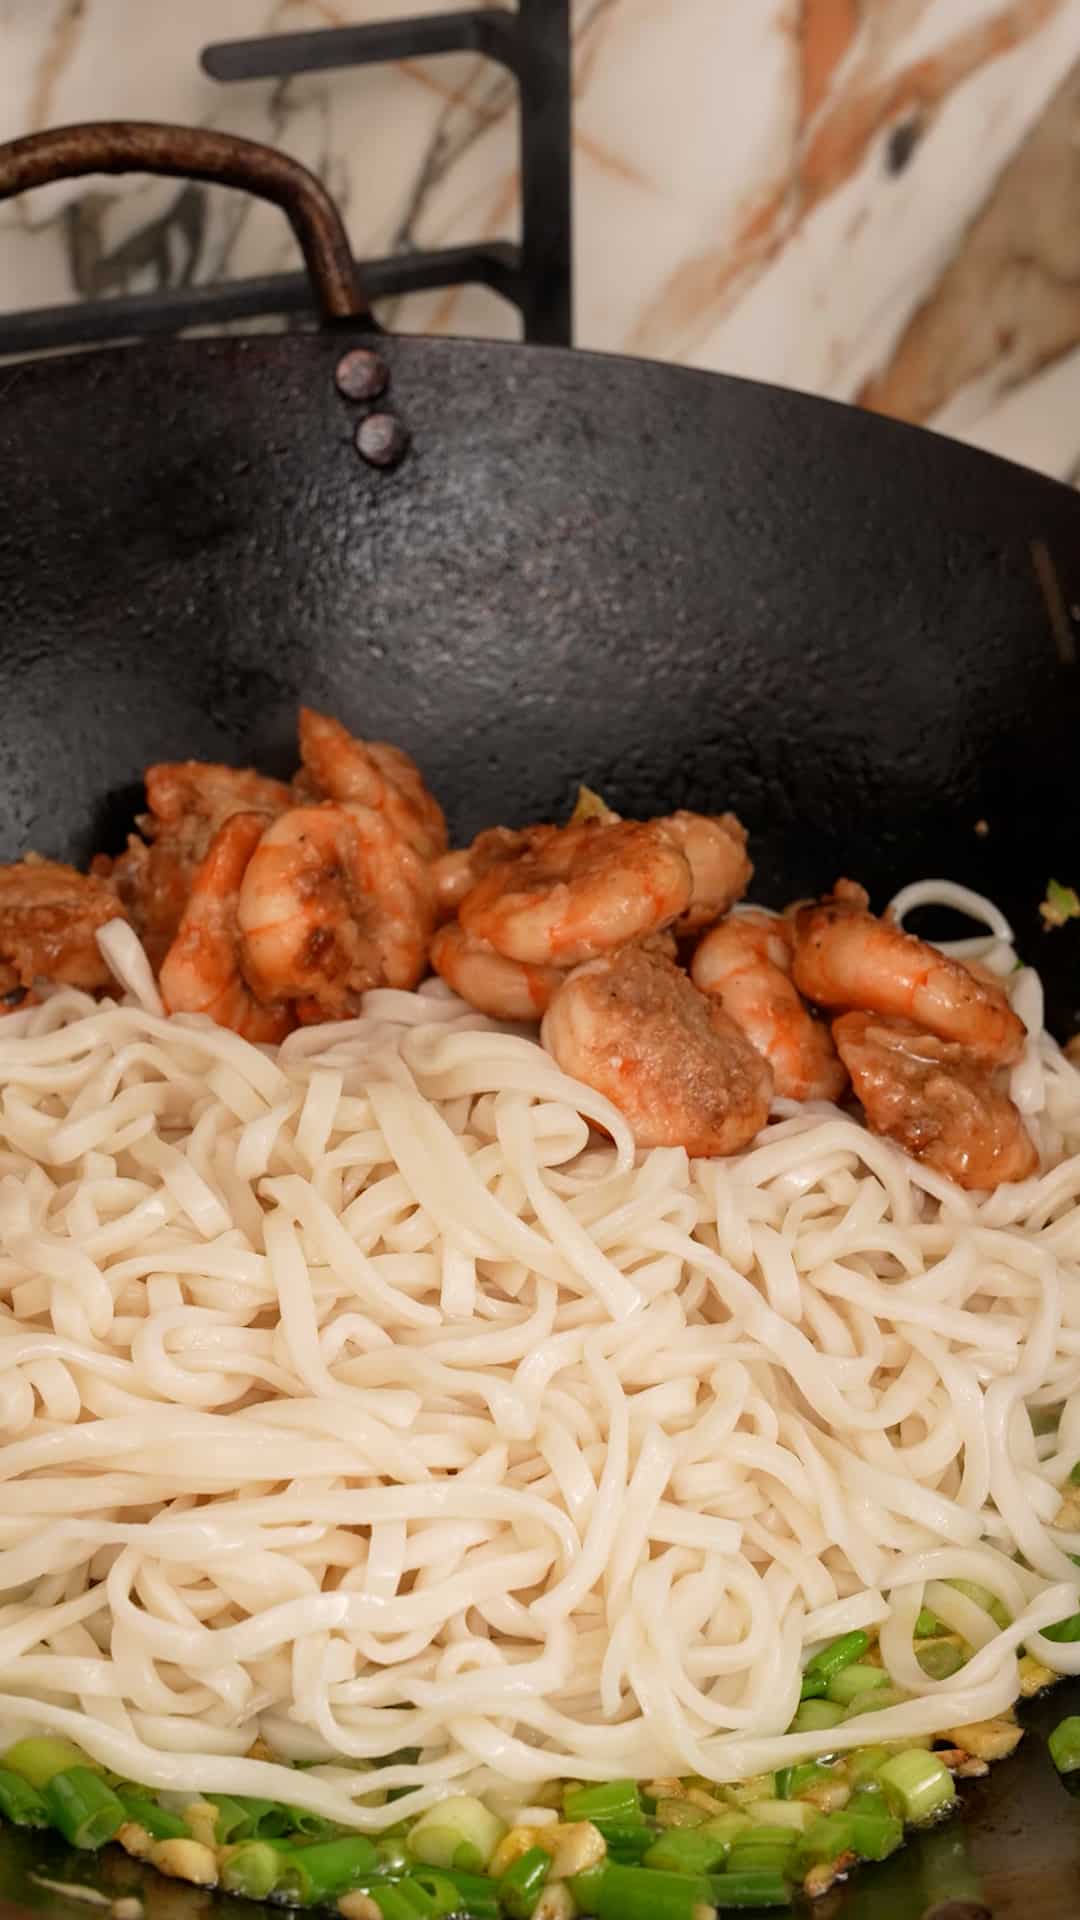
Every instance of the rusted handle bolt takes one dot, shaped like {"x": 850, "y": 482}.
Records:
{"x": 361, "y": 374}
{"x": 381, "y": 439}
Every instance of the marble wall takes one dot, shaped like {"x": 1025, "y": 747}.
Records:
{"x": 874, "y": 199}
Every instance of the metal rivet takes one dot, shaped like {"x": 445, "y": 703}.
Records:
{"x": 361, "y": 374}
{"x": 381, "y": 439}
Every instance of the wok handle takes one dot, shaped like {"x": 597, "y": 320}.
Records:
{"x": 201, "y": 153}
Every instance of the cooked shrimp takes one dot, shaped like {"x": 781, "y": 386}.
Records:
{"x": 935, "y": 1101}
{"x": 578, "y": 892}
{"x": 745, "y": 964}
{"x": 715, "y": 845}
{"x": 334, "y": 901}
{"x": 201, "y": 973}
{"x": 846, "y": 957}
{"x": 368, "y": 773}
{"x": 200, "y": 794}
{"x": 632, "y": 1026}
{"x": 457, "y": 872}
{"x": 49, "y": 917}
{"x": 189, "y": 800}
{"x": 505, "y": 989}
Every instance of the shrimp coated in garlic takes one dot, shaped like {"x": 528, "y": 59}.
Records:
{"x": 49, "y": 917}
{"x": 632, "y": 1026}
{"x": 504, "y": 989}
{"x": 201, "y": 973}
{"x": 368, "y": 773}
{"x": 935, "y": 1100}
{"x": 720, "y": 868}
{"x": 188, "y": 801}
{"x": 745, "y": 964}
{"x": 457, "y": 872}
{"x": 577, "y": 892}
{"x": 846, "y": 957}
{"x": 333, "y": 902}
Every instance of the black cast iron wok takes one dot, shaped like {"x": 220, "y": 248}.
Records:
{"x": 687, "y": 589}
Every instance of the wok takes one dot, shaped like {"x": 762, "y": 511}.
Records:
{"x": 689, "y": 590}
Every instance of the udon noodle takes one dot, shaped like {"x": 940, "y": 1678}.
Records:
{"x": 372, "y": 1400}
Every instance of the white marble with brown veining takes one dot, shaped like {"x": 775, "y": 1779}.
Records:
{"x": 873, "y": 199}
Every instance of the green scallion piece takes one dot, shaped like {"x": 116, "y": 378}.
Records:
{"x": 401, "y": 1900}
{"x": 940, "y": 1659}
{"x": 862, "y": 1766}
{"x": 728, "y": 1826}
{"x": 153, "y": 1818}
{"x": 521, "y": 1885}
{"x": 232, "y": 1822}
{"x": 1074, "y": 1475}
{"x": 735, "y": 1891}
{"x": 689, "y": 1850}
{"x": 849, "y": 1682}
{"x": 1064, "y": 1744}
{"x": 983, "y": 1598}
{"x": 876, "y": 1830}
{"x": 757, "y": 1786}
{"x": 760, "y": 1835}
{"x": 839, "y": 1653}
{"x": 83, "y": 1807}
{"x": 816, "y": 1716}
{"x": 457, "y": 1832}
{"x": 874, "y": 1699}
{"x": 628, "y": 1845}
{"x": 618, "y": 1800}
{"x": 21, "y": 1803}
{"x": 813, "y": 1686}
{"x": 641, "y": 1893}
{"x": 921, "y": 1782}
{"x": 1067, "y": 1629}
{"x": 928, "y": 1626}
{"x": 830, "y": 1835}
{"x": 40, "y": 1756}
{"x": 679, "y": 1813}
{"x": 792, "y": 1781}
{"x": 251, "y": 1869}
{"x": 314, "y": 1874}
{"x": 775, "y": 1857}
{"x": 452, "y": 1891}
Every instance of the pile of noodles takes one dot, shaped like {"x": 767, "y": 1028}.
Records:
{"x": 359, "y": 1400}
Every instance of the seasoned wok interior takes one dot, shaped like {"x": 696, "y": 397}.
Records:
{"x": 479, "y": 1320}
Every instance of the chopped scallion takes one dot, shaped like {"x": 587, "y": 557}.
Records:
{"x": 876, "y": 1831}
{"x": 839, "y": 1653}
{"x": 1064, "y": 1744}
{"x": 618, "y": 1800}
{"x": 250, "y": 1869}
{"x": 689, "y": 1850}
{"x": 849, "y": 1682}
{"x": 521, "y": 1885}
{"x": 921, "y": 1782}
{"x": 318, "y": 1873}
{"x": 152, "y": 1817}
{"x": 735, "y": 1891}
{"x": 84, "y": 1807}
{"x": 816, "y": 1716}
{"x": 457, "y": 1832}
{"x": 21, "y": 1803}
{"x": 40, "y": 1756}
{"x": 641, "y": 1893}
{"x": 940, "y": 1659}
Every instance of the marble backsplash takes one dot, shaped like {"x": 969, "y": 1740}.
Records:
{"x": 877, "y": 200}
